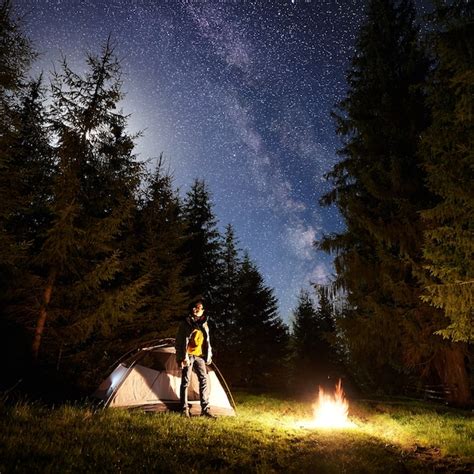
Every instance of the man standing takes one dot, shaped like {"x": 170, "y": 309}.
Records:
{"x": 193, "y": 352}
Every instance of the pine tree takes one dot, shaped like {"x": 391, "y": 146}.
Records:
{"x": 258, "y": 328}
{"x": 448, "y": 157}
{"x": 203, "y": 245}
{"x": 226, "y": 303}
{"x": 160, "y": 249}
{"x": 325, "y": 311}
{"x": 83, "y": 294}
{"x": 314, "y": 359}
{"x": 16, "y": 54}
{"x": 31, "y": 163}
{"x": 379, "y": 189}
{"x": 226, "y": 298}
{"x": 304, "y": 344}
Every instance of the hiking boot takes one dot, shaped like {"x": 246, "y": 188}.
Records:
{"x": 185, "y": 413}
{"x": 207, "y": 414}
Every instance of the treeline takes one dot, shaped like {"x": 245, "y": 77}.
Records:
{"x": 98, "y": 254}
{"x": 404, "y": 185}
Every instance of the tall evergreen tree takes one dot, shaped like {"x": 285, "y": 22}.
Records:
{"x": 304, "y": 344}
{"x": 314, "y": 359}
{"x": 226, "y": 298}
{"x": 83, "y": 295}
{"x": 203, "y": 245}
{"x": 32, "y": 163}
{"x": 448, "y": 156}
{"x": 325, "y": 311}
{"x": 21, "y": 131}
{"x": 160, "y": 249}
{"x": 379, "y": 189}
{"x": 32, "y": 167}
{"x": 16, "y": 54}
{"x": 261, "y": 349}
{"x": 226, "y": 303}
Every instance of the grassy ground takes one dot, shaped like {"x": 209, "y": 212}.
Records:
{"x": 266, "y": 436}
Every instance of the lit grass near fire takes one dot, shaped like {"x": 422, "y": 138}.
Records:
{"x": 263, "y": 437}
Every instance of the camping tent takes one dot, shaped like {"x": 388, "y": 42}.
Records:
{"x": 149, "y": 378}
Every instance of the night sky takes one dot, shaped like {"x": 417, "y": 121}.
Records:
{"x": 237, "y": 93}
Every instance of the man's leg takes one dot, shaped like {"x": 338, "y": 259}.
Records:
{"x": 183, "y": 390}
{"x": 201, "y": 372}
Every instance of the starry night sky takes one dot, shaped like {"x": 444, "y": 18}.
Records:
{"x": 237, "y": 93}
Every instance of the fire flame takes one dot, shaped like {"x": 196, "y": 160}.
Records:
{"x": 331, "y": 410}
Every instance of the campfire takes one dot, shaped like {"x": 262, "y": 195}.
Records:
{"x": 330, "y": 410}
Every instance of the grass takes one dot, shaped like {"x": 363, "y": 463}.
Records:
{"x": 265, "y": 437}
{"x": 449, "y": 431}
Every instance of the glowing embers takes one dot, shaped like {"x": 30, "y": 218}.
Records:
{"x": 330, "y": 411}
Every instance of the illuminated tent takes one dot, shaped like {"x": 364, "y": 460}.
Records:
{"x": 149, "y": 378}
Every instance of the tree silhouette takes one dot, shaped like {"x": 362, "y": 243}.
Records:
{"x": 379, "y": 187}
{"x": 83, "y": 294}
{"x": 203, "y": 243}
{"x": 448, "y": 155}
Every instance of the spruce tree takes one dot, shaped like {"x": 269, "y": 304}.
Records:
{"x": 32, "y": 163}
{"x": 448, "y": 157}
{"x": 379, "y": 189}
{"x": 83, "y": 294}
{"x": 32, "y": 168}
{"x": 261, "y": 349}
{"x": 226, "y": 298}
{"x": 21, "y": 130}
{"x": 325, "y": 311}
{"x": 203, "y": 245}
{"x": 226, "y": 303}
{"x": 314, "y": 357}
{"x": 304, "y": 344}
{"x": 16, "y": 54}
{"x": 160, "y": 236}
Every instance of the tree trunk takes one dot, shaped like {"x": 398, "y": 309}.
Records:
{"x": 43, "y": 314}
{"x": 451, "y": 367}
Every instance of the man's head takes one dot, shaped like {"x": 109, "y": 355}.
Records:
{"x": 197, "y": 308}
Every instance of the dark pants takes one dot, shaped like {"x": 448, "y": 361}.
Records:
{"x": 199, "y": 366}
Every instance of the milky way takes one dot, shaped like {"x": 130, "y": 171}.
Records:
{"x": 237, "y": 93}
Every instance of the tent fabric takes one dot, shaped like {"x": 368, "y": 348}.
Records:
{"x": 149, "y": 378}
